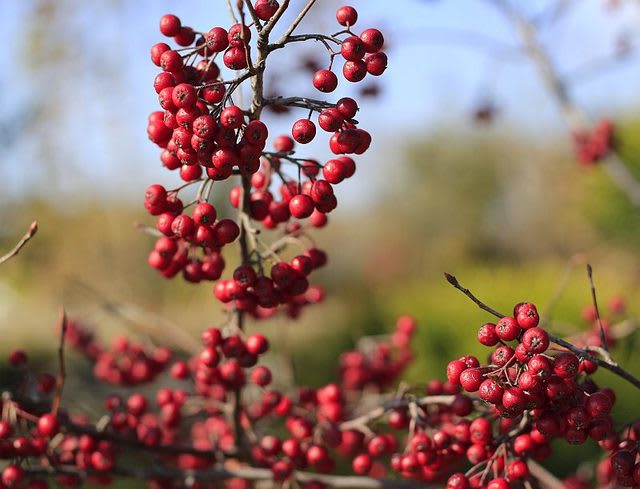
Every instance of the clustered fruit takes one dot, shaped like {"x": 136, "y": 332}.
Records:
{"x": 594, "y": 145}
{"x": 493, "y": 418}
{"x": 207, "y": 138}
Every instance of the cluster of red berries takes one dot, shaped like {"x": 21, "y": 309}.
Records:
{"x": 125, "y": 363}
{"x": 548, "y": 396}
{"x": 592, "y": 146}
{"x": 213, "y": 376}
{"x": 208, "y": 138}
{"x": 379, "y": 364}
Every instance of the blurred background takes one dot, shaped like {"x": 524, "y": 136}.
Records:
{"x": 471, "y": 171}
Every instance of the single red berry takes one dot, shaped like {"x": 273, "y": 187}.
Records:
{"x": 487, "y": 335}
{"x": 458, "y": 481}
{"x": 352, "y": 48}
{"x": 507, "y": 329}
{"x": 454, "y": 370}
{"x": 239, "y": 35}
{"x": 261, "y": 376}
{"x": 535, "y": 340}
{"x": 325, "y": 80}
{"x": 303, "y": 131}
{"x": 347, "y": 16}
{"x": 566, "y": 365}
{"x": 265, "y": 9}
{"x": 355, "y": 71}
{"x": 491, "y": 391}
{"x": 362, "y": 464}
{"x": 170, "y": 25}
{"x": 372, "y": 39}
{"x": 470, "y": 379}
{"x": 12, "y": 476}
{"x": 217, "y": 40}
{"x": 347, "y": 107}
{"x": 499, "y": 483}
{"x": 527, "y": 315}
{"x": 48, "y": 425}
{"x": 17, "y": 358}
{"x": 376, "y": 63}
{"x": 235, "y": 58}
{"x": 301, "y": 206}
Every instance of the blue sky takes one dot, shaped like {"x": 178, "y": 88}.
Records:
{"x": 438, "y": 71}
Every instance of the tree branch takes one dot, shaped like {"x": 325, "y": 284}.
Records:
{"x": 33, "y": 229}
{"x": 604, "y": 363}
{"x": 575, "y": 119}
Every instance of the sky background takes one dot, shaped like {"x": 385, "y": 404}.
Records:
{"x": 76, "y": 84}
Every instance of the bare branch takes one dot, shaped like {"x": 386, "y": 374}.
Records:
{"x": 62, "y": 371}
{"x": 297, "y": 21}
{"x": 33, "y": 229}
{"x": 546, "y": 479}
{"x": 575, "y": 119}
{"x": 224, "y": 472}
{"x": 603, "y": 338}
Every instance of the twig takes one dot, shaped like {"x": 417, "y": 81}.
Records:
{"x": 226, "y": 472}
{"x": 254, "y": 15}
{"x": 33, "y": 229}
{"x": 231, "y": 12}
{"x": 544, "y": 477}
{"x": 297, "y": 21}
{"x": 603, "y": 338}
{"x": 149, "y": 322}
{"x": 62, "y": 372}
{"x": 575, "y": 119}
{"x": 561, "y": 287}
{"x": 393, "y": 404}
{"x": 604, "y": 363}
{"x": 454, "y": 281}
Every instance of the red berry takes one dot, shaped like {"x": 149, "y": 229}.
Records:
{"x": 303, "y": 131}
{"x": 48, "y": 425}
{"x": 507, "y": 329}
{"x": 362, "y": 464}
{"x": 265, "y": 9}
{"x": 535, "y": 340}
{"x": 352, "y": 48}
{"x": 566, "y": 365}
{"x": 487, "y": 335}
{"x": 346, "y": 16}
{"x": 301, "y": 206}
{"x": 170, "y": 25}
{"x": 355, "y": 71}
{"x": 325, "y": 80}
{"x": 376, "y": 63}
{"x": 372, "y": 39}
{"x": 527, "y": 315}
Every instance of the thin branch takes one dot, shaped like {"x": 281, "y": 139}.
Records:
{"x": 323, "y": 38}
{"x": 302, "y": 102}
{"x": 254, "y": 15}
{"x": 224, "y": 472}
{"x": 33, "y": 229}
{"x": 62, "y": 371}
{"x": 393, "y": 404}
{"x": 603, "y": 338}
{"x": 268, "y": 27}
{"x": 575, "y": 119}
{"x": 231, "y": 12}
{"x": 544, "y": 477}
{"x": 582, "y": 353}
{"x": 464, "y": 38}
{"x": 134, "y": 443}
{"x": 454, "y": 281}
{"x": 141, "y": 319}
{"x": 297, "y": 21}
